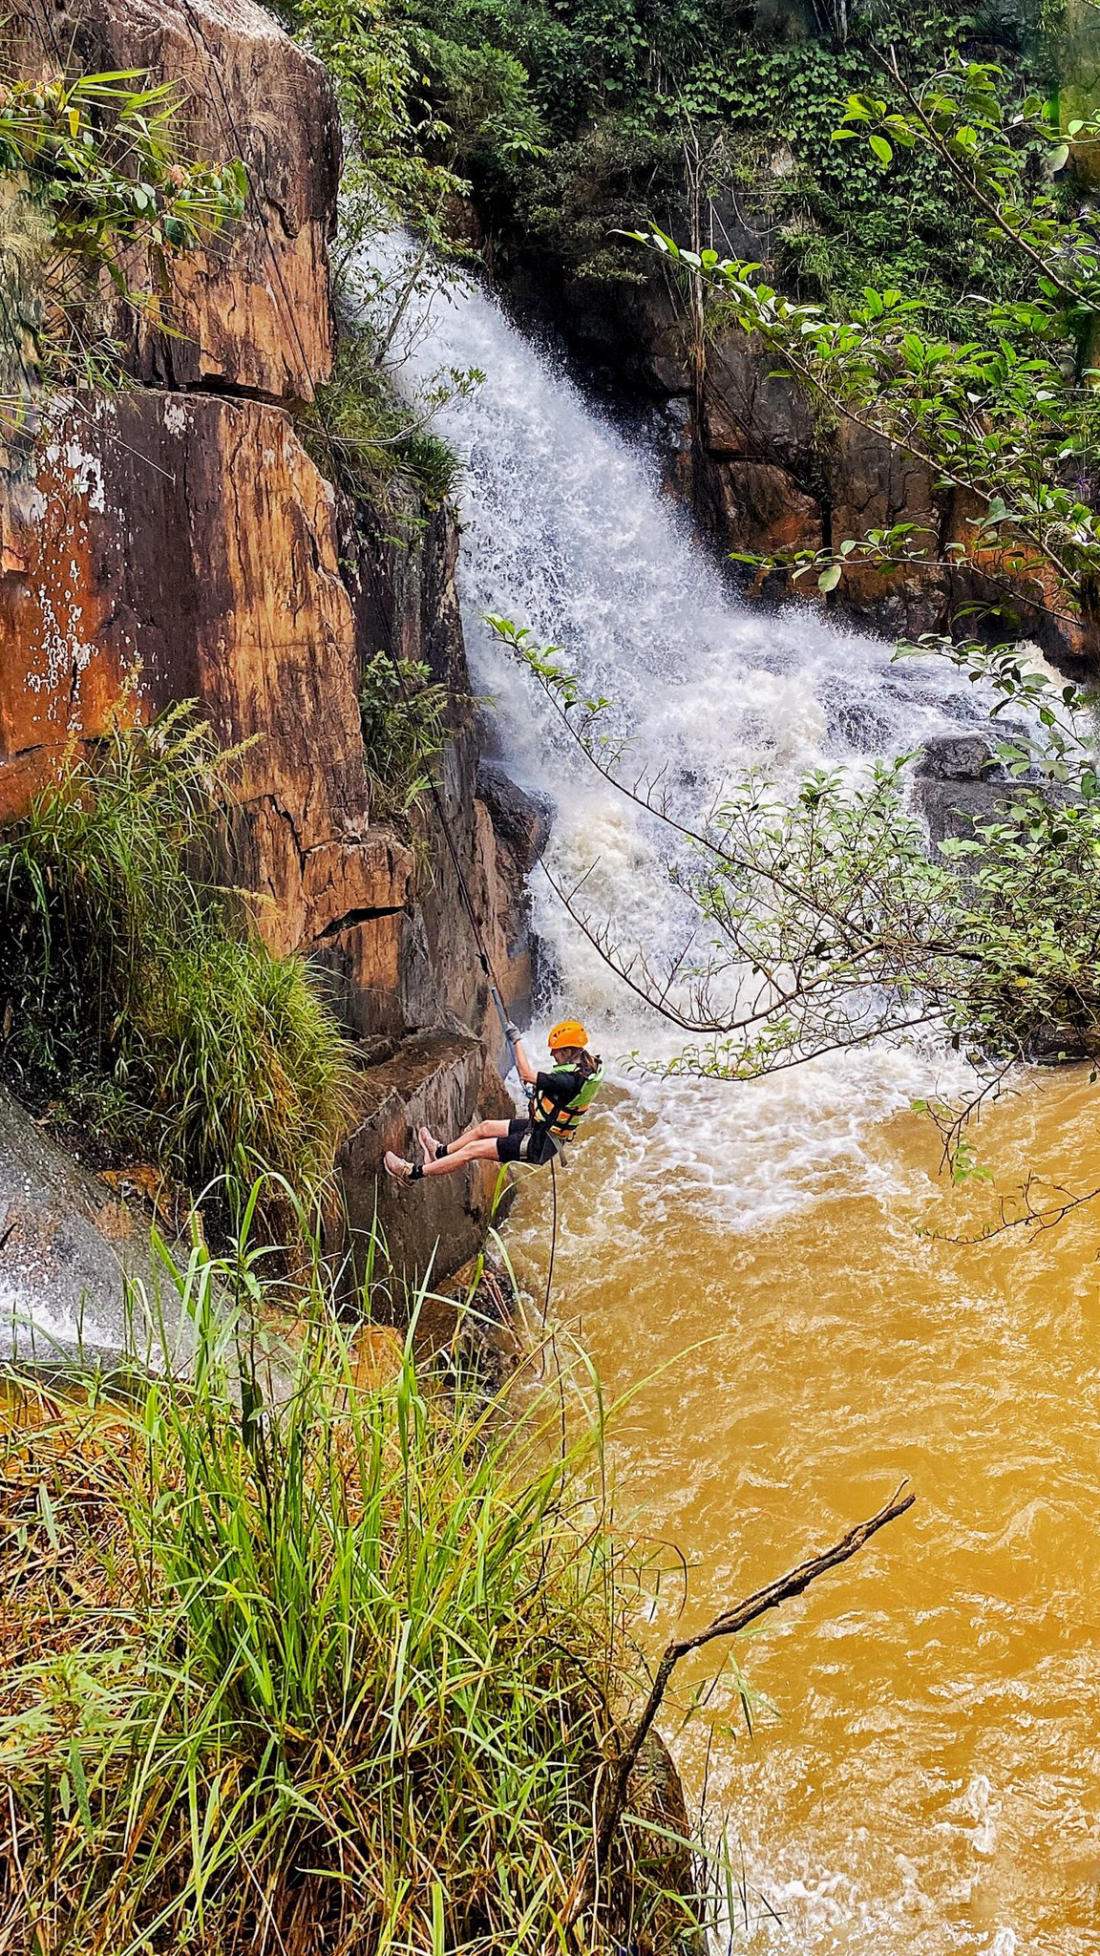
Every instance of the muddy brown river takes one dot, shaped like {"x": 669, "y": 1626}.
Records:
{"x": 924, "y": 1772}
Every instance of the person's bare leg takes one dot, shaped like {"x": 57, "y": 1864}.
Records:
{"x": 484, "y": 1150}
{"x": 480, "y": 1131}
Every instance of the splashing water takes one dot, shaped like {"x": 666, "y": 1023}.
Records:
{"x": 566, "y": 531}
{"x": 932, "y": 1784}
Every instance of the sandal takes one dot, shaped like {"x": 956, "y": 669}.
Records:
{"x": 400, "y": 1170}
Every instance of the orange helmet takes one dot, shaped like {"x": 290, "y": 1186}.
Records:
{"x": 567, "y": 1032}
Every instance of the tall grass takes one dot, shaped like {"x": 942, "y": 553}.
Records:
{"x": 330, "y": 1667}
{"x": 132, "y": 985}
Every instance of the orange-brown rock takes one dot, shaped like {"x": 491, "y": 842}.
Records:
{"x": 190, "y": 541}
{"x": 759, "y": 507}
{"x": 252, "y": 311}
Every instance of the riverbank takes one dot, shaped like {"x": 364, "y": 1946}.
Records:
{"x": 293, "y": 1649}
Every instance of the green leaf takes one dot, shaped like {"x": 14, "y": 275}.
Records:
{"x": 1059, "y": 158}
{"x": 829, "y": 578}
{"x": 881, "y": 148}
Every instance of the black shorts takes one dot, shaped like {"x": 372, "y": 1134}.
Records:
{"x": 526, "y": 1142}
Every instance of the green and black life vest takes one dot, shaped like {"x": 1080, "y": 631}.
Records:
{"x": 559, "y": 1116}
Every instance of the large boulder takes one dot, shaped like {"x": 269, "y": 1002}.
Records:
{"x": 252, "y": 311}
{"x": 759, "y": 507}
{"x": 750, "y": 411}
{"x": 514, "y": 833}
{"x": 959, "y": 786}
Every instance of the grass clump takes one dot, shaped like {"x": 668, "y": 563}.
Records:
{"x": 132, "y": 989}
{"x": 332, "y": 1670}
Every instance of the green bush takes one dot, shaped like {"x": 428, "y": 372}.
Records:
{"x": 404, "y": 730}
{"x": 380, "y": 447}
{"x": 341, "y": 1672}
{"x": 131, "y": 986}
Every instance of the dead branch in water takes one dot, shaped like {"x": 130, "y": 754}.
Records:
{"x": 727, "y": 1624}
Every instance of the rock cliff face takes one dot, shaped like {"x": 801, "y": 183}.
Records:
{"x": 176, "y": 542}
{"x": 253, "y": 314}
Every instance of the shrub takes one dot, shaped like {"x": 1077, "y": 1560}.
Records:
{"x": 379, "y": 447}
{"x": 404, "y": 729}
{"x": 132, "y": 986}
{"x": 334, "y": 1673}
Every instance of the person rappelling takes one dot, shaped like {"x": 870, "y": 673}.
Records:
{"x": 558, "y": 1099}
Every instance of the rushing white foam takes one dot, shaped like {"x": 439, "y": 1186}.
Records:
{"x": 567, "y": 531}
{"x": 33, "y": 1332}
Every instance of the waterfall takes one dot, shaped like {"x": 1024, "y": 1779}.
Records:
{"x": 566, "y": 530}
{"x": 741, "y": 1259}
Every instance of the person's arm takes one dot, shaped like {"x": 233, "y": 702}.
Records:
{"x": 524, "y": 1068}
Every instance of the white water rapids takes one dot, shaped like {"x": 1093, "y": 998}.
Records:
{"x": 748, "y": 1260}
{"x": 566, "y": 531}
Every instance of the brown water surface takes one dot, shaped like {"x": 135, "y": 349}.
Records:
{"x": 929, "y": 1779}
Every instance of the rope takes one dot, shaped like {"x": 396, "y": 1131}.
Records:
{"x": 553, "y": 1239}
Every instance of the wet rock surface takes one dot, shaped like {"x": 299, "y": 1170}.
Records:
{"x": 522, "y": 821}
{"x": 68, "y": 1245}
{"x": 445, "y": 1080}
{"x": 766, "y": 469}
{"x": 959, "y": 785}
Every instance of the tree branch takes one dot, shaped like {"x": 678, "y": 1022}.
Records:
{"x": 727, "y": 1624}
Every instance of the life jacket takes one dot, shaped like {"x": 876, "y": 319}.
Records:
{"x": 560, "y": 1117}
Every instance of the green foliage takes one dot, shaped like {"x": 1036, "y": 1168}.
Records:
{"x": 131, "y": 988}
{"x": 98, "y": 157}
{"x": 419, "y": 103}
{"x": 584, "y": 194}
{"x": 404, "y": 731}
{"x": 381, "y": 447}
{"x": 367, "y": 50}
{"x": 627, "y": 92}
{"x": 334, "y": 1666}
{"x": 824, "y": 921}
